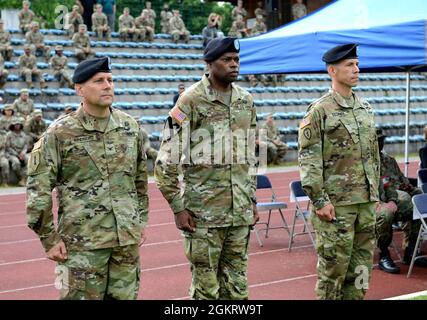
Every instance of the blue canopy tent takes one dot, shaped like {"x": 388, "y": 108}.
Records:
{"x": 392, "y": 37}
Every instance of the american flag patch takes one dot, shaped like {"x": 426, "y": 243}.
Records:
{"x": 177, "y": 114}
{"x": 304, "y": 122}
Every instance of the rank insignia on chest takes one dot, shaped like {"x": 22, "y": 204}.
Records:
{"x": 177, "y": 115}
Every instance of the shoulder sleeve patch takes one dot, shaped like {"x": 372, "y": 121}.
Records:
{"x": 177, "y": 115}
{"x": 305, "y": 122}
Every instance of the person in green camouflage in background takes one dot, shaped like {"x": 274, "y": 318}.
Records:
{"x": 340, "y": 170}
{"x": 95, "y": 159}
{"x": 100, "y": 24}
{"x": 36, "y": 41}
{"x": 218, "y": 205}
{"x": 16, "y": 149}
{"x": 6, "y": 49}
{"x": 59, "y": 63}
{"x": 25, "y": 16}
{"x": 81, "y": 42}
{"x": 276, "y": 148}
{"x": 398, "y": 190}
{"x": 34, "y": 127}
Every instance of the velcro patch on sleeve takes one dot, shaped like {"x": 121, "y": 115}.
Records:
{"x": 177, "y": 115}
{"x": 304, "y": 122}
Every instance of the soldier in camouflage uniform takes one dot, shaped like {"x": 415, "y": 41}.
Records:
{"x": 259, "y": 26}
{"x": 58, "y": 63}
{"x": 7, "y": 118}
{"x": 23, "y": 105}
{"x": 4, "y": 162}
{"x": 34, "y": 127}
{"x": 127, "y": 26}
{"x": 3, "y": 73}
{"x": 36, "y": 41}
{"x": 25, "y": 17}
{"x": 96, "y": 160}
{"x": 299, "y": 10}
{"x": 276, "y": 148}
{"x": 81, "y": 42}
{"x": 100, "y": 24}
{"x": 177, "y": 28}
{"x": 238, "y": 29}
{"x": 28, "y": 65}
{"x": 165, "y": 16}
{"x": 74, "y": 20}
{"x": 6, "y": 49}
{"x": 396, "y": 189}
{"x": 150, "y": 14}
{"x": 16, "y": 149}
{"x": 218, "y": 205}
{"x": 145, "y": 27}
{"x": 259, "y": 11}
{"x": 339, "y": 168}
{"x": 239, "y": 11}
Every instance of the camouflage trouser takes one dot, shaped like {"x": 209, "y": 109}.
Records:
{"x": 128, "y": 34}
{"x": 140, "y": 34}
{"x": 102, "y": 33}
{"x": 276, "y": 152}
{"x": 28, "y": 75}
{"x": 4, "y": 167}
{"x": 82, "y": 55}
{"x": 6, "y": 51}
{"x": 103, "y": 274}
{"x": 43, "y": 51}
{"x": 176, "y": 35}
{"x": 385, "y": 220}
{"x": 63, "y": 77}
{"x": 18, "y": 166}
{"x": 345, "y": 251}
{"x": 152, "y": 153}
{"x": 219, "y": 260}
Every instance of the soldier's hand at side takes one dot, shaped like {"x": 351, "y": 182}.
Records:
{"x": 256, "y": 215}
{"x": 58, "y": 252}
{"x": 184, "y": 221}
{"x": 327, "y": 213}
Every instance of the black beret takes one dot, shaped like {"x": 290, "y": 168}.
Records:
{"x": 217, "y": 47}
{"x": 346, "y": 51}
{"x": 87, "y": 68}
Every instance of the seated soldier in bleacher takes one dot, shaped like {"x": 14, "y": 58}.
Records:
{"x": 4, "y": 162}
{"x": 81, "y": 42}
{"x": 24, "y": 105}
{"x": 16, "y": 149}
{"x": 178, "y": 30}
{"x": 393, "y": 179}
{"x": 259, "y": 26}
{"x": 74, "y": 19}
{"x": 100, "y": 24}
{"x": 238, "y": 28}
{"x": 59, "y": 63}
{"x": 28, "y": 67}
{"x": 127, "y": 29}
{"x": 276, "y": 148}
{"x": 25, "y": 17}
{"x": 6, "y": 49}
{"x": 6, "y": 118}
{"x": 145, "y": 27}
{"x": 3, "y": 73}
{"x": 165, "y": 16}
{"x": 211, "y": 30}
{"x": 36, "y": 41}
{"x": 34, "y": 127}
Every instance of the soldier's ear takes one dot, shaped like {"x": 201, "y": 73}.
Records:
{"x": 79, "y": 89}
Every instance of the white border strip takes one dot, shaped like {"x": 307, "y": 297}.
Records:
{"x": 409, "y": 296}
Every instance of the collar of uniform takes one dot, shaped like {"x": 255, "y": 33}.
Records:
{"x": 340, "y": 99}
{"x": 88, "y": 125}
{"x": 212, "y": 94}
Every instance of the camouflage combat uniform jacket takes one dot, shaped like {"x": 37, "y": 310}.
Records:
{"x": 338, "y": 152}
{"x": 219, "y": 193}
{"x": 100, "y": 177}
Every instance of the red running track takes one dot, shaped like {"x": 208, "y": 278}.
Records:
{"x": 274, "y": 273}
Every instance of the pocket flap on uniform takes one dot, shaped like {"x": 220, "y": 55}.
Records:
{"x": 352, "y": 130}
